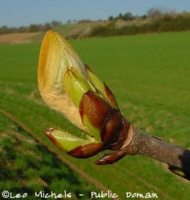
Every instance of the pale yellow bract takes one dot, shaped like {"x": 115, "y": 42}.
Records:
{"x": 56, "y": 58}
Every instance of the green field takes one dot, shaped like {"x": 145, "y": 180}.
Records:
{"x": 150, "y": 77}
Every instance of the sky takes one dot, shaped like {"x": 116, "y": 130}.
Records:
{"x": 16, "y": 13}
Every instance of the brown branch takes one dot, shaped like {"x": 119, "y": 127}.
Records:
{"x": 147, "y": 145}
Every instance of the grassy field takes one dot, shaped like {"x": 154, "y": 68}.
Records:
{"x": 28, "y": 167}
{"x": 149, "y": 75}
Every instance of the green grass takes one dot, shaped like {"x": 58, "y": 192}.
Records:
{"x": 149, "y": 75}
{"x": 27, "y": 166}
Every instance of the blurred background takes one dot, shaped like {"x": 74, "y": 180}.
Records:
{"x": 140, "y": 49}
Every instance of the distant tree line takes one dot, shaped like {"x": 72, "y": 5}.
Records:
{"x": 155, "y": 21}
{"x": 31, "y": 28}
{"x": 151, "y": 13}
{"x": 127, "y": 16}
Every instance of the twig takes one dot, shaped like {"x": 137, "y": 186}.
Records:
{"x": 177, "y": 158}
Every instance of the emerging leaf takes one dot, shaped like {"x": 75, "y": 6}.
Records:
{"x": 71, "y": 88}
